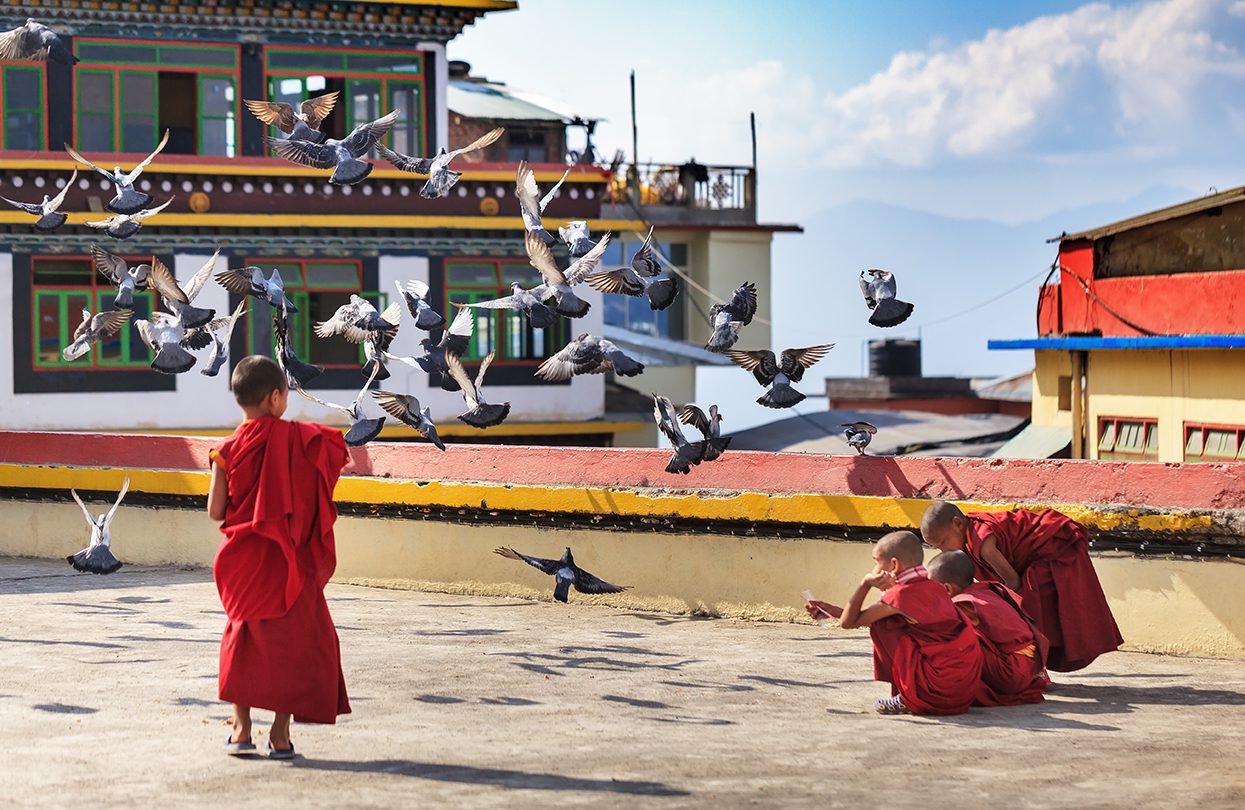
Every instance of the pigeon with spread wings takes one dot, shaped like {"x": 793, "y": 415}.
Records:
{"x": 415, "y": 294}
{"x": 858, "y": 435}
{"x": 530, "y": 302}
{"x": 93, "y": 329}
{"x": 878, "y": 287}
{"x": 531, "y": 204}
{"x": 250, "y": 280}
{"x": 727, "y": 319}
{"x": 170, "y": 339}
{"x": 440, "y": 177}
{"x": 303, "y": 125}
{"x": 565, "y": 572}
{"x": 127, "y": 199}
{"x": 480, "y": 414}
{"x": 686, "y": 454}
{"x": 177, "y": 299}
{"x": 36, "y": 42}
{"x": 405, "y": 408}
{"x": 643, "y": 277}
{"x": 454, "y": 340}
{"x": 778, "y": 375}
{"x": 297, "y": 373}
{"x": 342, "y": 156}
{"x": 576, "y": 236}
{"x": 357, "y": 319}
{"x": 117, "y": 270}
{"x": 709, "y": 426}
{"x": 123, "y": 226}
{"x": 558, "y": 282}
{"x": 588, "y": 354}
{"x": 48, "y": 212}
{"x": 97, "y": 557}
{"x": 221, "y": 329}
{"x": 362, "y": 427}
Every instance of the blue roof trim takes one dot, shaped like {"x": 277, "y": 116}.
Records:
{"x": 1158, "y": 342}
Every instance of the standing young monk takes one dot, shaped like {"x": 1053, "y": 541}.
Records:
{"x": 921, "y": 644}
{"x": 1044, "y": 557}
{"x": 1013, "y": 650}
{"x": 272, "y": 486}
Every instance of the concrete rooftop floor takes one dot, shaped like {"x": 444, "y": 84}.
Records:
{"x": 108, "y": 699}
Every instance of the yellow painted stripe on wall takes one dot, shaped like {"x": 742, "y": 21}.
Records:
{"x": 326, "y": 221}
{"x": 849, "y": 510}
{"x": 290, "y": 170}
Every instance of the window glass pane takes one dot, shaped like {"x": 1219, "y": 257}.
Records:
{"x": 94, "y": 93}
{"x": 523, "y": 273}
{"x": 1130, "y": 439}
{"x": 363, "y": 97}
{"x": 306, "y": 60}
{"x": 616, "y": 253}
{"x": 1221, "y": 443}
{"x": 208, "y": 57}
{"x": 48, "y": 326}
{"x": 677, "y": 254}
{"x": 1193, "y": 446}
{"x": 289, "y": 90}
{"x": 1152, "y": 440}
{"x": 615, "y": 310}
{"x": 115, "y": 52}
{"x": 216, "y": 97}
{"x": 75, "y": 302}
{"x": 63, "y": 272}
{"x": 291, "y": 272}
{"x": 1106, "y": 442}
{"x": 471, "y": 274}
{"x": 407, "y": 137}
{"x": 23, "y": 108}
{"x": 326, "y": 351}
{"x": 216, "y": 137}
{"x": 315, "y": 84}
{"x": 139, "y": 354}
{"x": 384, "y": 62}
{"x": 138, "y": 92}
{"x": 333, "y": 274}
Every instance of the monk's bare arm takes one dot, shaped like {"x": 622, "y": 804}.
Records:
{"x": 853, "y": 615}
{"x": 994, "y": 558}
{"x": 218, "y": 492}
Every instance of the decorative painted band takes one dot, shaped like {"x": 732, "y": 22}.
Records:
{"x": 1149, "y": 485}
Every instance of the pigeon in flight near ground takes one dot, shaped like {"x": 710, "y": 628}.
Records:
{"x": 779, "y": 376}
{"x": 858, "y": 435}
{"x": 415, "y": 294}
{"x": 454, "y": 340}
{"x": 565, "y": 572}
{"x": 97, "y": 557}
{"x": 729, "y": 318}
{"x": 36, "y": 42}
{"x": 641, "y": 278}
{"x": 530, "y": 302}
{"x": 93, "y": 329}
{"x": 440, "y": 177}
{"x": 297, "y": 373}
{"x": 480, "y": 414}
{"x": 303, "y": 125}
{"x": 342, "y": 156}
{"x": 117, "y": 270}
{"x": 531, "y": 204}
{"x": 575, "y": 235}
{"x": 686, "y": 454}
{"x": 559, "y": 282}
{"x": 123, "y": 226}
{"x": 405, "y": 408}
{"x": 709, "y": 426}
{"x": 362, "y": 428}
{"x": 588, "y": 354}
{"x": 127, "y": 200}
{"x": 160, "y": 278}
{"x": 48, "y": 212}
{"x": 355, "y": 320}
{"x": 878, "y": 287}
{"x": 250, "y": 281}
{"x": 221, "y": 329}
{"x": 169, "y": 338}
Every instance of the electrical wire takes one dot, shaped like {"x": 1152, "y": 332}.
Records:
{"x": 1108, "y": 308}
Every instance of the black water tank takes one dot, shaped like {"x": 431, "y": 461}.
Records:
{"x": 894, "y": 358}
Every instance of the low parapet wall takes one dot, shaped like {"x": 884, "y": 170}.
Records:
{"x": 739, "y": 536}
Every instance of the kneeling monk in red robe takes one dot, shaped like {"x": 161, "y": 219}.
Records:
{"x": 272, "y": 486}
{"x": 921, "y": 644}
{"x": 1013, "y": 668}
{"x": 1044, "y": 557}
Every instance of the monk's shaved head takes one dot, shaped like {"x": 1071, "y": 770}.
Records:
{"x": 902, "y": 546}
{"x": 938, "y": 515}
{"x": 254, "y": 378}
{"x": 952, "y": 568}
{"x": 944, "y": 526}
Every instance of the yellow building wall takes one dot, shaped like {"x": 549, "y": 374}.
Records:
{"x": 720, "y": 261}
{"x": 1048, "y": 367}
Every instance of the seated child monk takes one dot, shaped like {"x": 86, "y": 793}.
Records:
{"x": 1013, "y": 649}
{"x": 272, "y": 486}
{"x": 1044, "y": 557}
{"x": 921, "y": 644}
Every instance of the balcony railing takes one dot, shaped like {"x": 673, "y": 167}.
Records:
{"x": 688, "y": 191}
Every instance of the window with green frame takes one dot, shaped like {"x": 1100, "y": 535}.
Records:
{"x": 507, "y": 332}
{"x": 61, "y": 288}
{"x": 22, "y": 100}
{"x": 1214, "y": 442}
{"x": 1128, "y": 439}
{"x": 317, "y": 287}
{"x": 128, "y": 93}
{"x": 371, "y": 84}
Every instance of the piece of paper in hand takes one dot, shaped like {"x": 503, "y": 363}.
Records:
{"x": 808, "y": 597}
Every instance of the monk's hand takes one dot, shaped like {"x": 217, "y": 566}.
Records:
{"x": 878, "y": 579}
{"x": 822, "y": 610}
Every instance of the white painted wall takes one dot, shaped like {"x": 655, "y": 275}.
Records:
{"x": 440, "y": 128}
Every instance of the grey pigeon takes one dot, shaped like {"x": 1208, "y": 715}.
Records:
{"x": 558, "y": 282}
{"x": 878, "y": 287}
{"x": 160, "y": 278}
{"x": 297, "y": 373}
{"x": 169, "y": 338}
{"x": 97, "y": 557}
{"x": 588, "y": 354}
{"x": 455, "y": 340}
{"x": 303, "y": 125}
{"x": 565, "y": 572}
{"x": 342, "y": 156}
{"x": 530, "y": 302}
{"x": 117, "y": 270}
{"x": 709, "y": 426}
{"x": 221, "y": 329}
{"x": 123, "y": 226}
{"x": 405, "y": 409}
{"x": 127, "y": 199}
{"x": 362, "y": 427}
{"x": 356, "y": 319}
{"x": 729, "y": 318}
{"x": 779, "y": 376}
{"x": 36, "y": 42}
{"x": 93, "y": 329}
{"x": 375, "y": 347}
{"x": 575, "y": 235}
{"x": 48, "y": 212}
{"x": 531, "y": 204}
{"x": 643, "y": 277}
{"x": 480, "y": 414}
{"x": 415, "y": 294}
{"x": 250, "y": 281}
{"x": 686, "y": 454}
{"x": 440, "y": 177}
{"x": 858, "y": 435}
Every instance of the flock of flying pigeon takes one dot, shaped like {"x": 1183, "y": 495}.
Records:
{"x": 174, "y": 334}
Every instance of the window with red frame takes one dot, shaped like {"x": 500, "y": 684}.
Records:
{"x": 1214, "y": 442}
{"x": 23, "y": 91}
{"x": 62, "y": 286}
{"x": 1128, "y": 439}
{"x": 507, "y": 332}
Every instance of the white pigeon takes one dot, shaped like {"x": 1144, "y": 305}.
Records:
{"x": 48, "y": 212}
{"x": 169, "y": 338}
{"x": 415, "y": 294}
{"x": 250, "y": 280}
{"x": 559, "y": 282}
{"x": 878, "y": 287}
{"x": 97, "y": 557}
{"x": 531, "y": 204}
{"x": 127, "y": 199}
{"x": 93, "y": 329}
{"x": 575, "y": 235}
{"x": 123, "y": 226}
{"x": 440, "y": 177}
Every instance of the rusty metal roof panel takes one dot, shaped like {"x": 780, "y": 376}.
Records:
{"x": 1220, "y": 198}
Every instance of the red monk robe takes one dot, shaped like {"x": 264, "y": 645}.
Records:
{"x": 929, "y": 654}
{"x": 280, "y": 650}
{"x": 1013, "y": 649}
{"x": 1058, "y": 586}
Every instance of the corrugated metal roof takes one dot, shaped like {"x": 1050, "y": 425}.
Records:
{"x": 1016, "y": 388}
{"x": 657, "y": 351}
{"x": 1158, "y": 342}
{"x": 1037, "y": 441}
{"x": 1215, "y": 200}
{"x": 476, "y": 99}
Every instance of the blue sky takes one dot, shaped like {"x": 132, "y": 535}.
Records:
{"x": 978, "y": 115}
